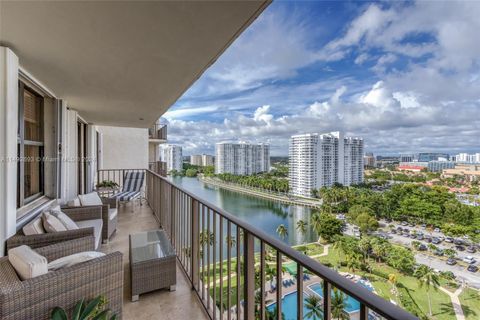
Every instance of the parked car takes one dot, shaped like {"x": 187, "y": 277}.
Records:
{"x": 393, "y": 231}
{"x": 419, "y": 236}
{"x": 404, "y": 223}
{"x": 472, "y": 268}
{"x": 428, "y": 239}
{"x": 471, "y": 249}
{"x": 458, "y": 241}
{"x": 422, "y": 247}
{"x": 460, "y": 248}
{"x": 435, "y": 240}
{"x": 449, "y": 239}
{"x": 424, "y": 226}
{"x": 469, "y": 259}
{"x": 451, "y": 261}
{"x": 438, "y": 252}
{"x": 436, "y": 229}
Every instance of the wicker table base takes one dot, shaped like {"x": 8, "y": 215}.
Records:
{"x": 152, "y": 263}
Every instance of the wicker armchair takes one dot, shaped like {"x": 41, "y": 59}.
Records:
{"x": 45, "y": 239}
{"x": 36, "y": 297}
{"x": 109, "y": 216}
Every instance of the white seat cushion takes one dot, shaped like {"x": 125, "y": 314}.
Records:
{"x": 74, "y": 259}
{"x": 64, "y": 219}
{"x": 74, "y": 203}
{"x": 34, "y": 227}
{"x": 27, "y": 263}
{"x": 90, "y": 199}
{"x": 52, "y": 223}
{"x": 112, "y": 213}
{"x": 97, "y": 225}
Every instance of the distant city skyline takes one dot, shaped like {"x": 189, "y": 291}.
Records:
{"x": 396, "y": 74}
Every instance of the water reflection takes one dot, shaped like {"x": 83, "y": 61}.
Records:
{"x": 264, "y": 214}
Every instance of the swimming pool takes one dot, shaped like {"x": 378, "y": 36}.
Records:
{"x": 352, "y": 305}
{"x": 289, "y": 306}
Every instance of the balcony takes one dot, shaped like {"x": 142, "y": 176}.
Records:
{"x": 157, "y": 134}
{"x": 159, "y": 167}
{"x": 209, "y": 242}
{"x": 162, "y": 304}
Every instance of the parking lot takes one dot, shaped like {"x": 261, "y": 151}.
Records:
{"x": 459, "y": 268}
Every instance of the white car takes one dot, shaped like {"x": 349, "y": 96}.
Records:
{"x": 469, "y": 259}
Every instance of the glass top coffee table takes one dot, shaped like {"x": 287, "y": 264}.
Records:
{"x": 152, "y": 262}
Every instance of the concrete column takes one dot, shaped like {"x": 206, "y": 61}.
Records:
{"x": 8, "y": 144}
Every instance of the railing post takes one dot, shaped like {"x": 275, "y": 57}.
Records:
{"x": 249, "y": 276}
{"x": 327, "y": 300}
{"x": 195, "y": 239}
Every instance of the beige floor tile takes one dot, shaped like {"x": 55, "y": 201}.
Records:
{"x": 162, "y": 304}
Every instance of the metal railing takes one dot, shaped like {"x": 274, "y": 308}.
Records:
{"x": 230, "y": 263}
{"x": 158, "y": 131}
{"x": 115, "y": 175}
{"x": 159, "y": 167}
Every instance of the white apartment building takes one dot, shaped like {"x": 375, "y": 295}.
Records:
{"x": 207, "y": 160}
{"x": 201, "y": 160}
{"x": 196, "y": 159}
{"x": 318, "y": 160}
{"x": 468, "y": 158}
{"x": 172, "y": 155}
{"x": 242, "y": 158}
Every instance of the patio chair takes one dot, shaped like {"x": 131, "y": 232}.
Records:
{"x": 132, "y": 187}
{"x": 35, "y": 298}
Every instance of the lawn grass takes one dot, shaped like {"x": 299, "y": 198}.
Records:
{"x": 407, "y": 287}
{"x": 311, "y": 249}
{"x": 470, "y": 300}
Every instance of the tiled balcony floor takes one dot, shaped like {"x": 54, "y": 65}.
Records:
{"x": 161, "y": 304}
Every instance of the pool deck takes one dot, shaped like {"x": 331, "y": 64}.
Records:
{"x": 272, "y": 296}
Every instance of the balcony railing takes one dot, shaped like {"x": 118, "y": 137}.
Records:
{"x": 159, "y": 167}
{"x": 158, "y": 132}
{"x": 229, "y": 262}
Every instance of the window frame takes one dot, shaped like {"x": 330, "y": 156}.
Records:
{"x": 22, "y": 201}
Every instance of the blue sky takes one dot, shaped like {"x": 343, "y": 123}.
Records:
{"x": 405, "y": 76}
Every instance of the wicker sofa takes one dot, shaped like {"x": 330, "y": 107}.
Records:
{"x": 36, "y": 297}
{"x": 89, "y": 219}
{"x": 109, "y": 215}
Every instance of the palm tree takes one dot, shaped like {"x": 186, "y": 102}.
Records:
{"x": 314, "y": 306}
{"x": 365, "y": 245}
{"x": 231, "y": 241}
{"x": 338, "y": 305}
{"x": 392, "y": 278}
{"x": 316, "y": 222}
{"x": 428, "y": 278}
{"x": 302, "y": 228}
{"x": 282, "y": 231}
{"x": 353, "y": 262}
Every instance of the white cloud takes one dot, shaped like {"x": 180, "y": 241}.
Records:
{"x": 387, "y": 121}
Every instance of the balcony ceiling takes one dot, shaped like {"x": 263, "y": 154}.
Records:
{"x": 116, "y": 62}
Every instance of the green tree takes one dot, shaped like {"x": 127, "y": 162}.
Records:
{"x": 365, "y": 246}
{"x": 302, "y": 228}
{"x": 326, "y": 225}
{"x": 338, "y": 305}
{"x": 314, "y": 307}
{"x": 428, "y": 278}
{"x": 401, "y": 259}
{"x": 357, "y": 210}
{"x": 366, "y": 223}
{"x": 191, "y": 173}
{"x": 282, "y": 231}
